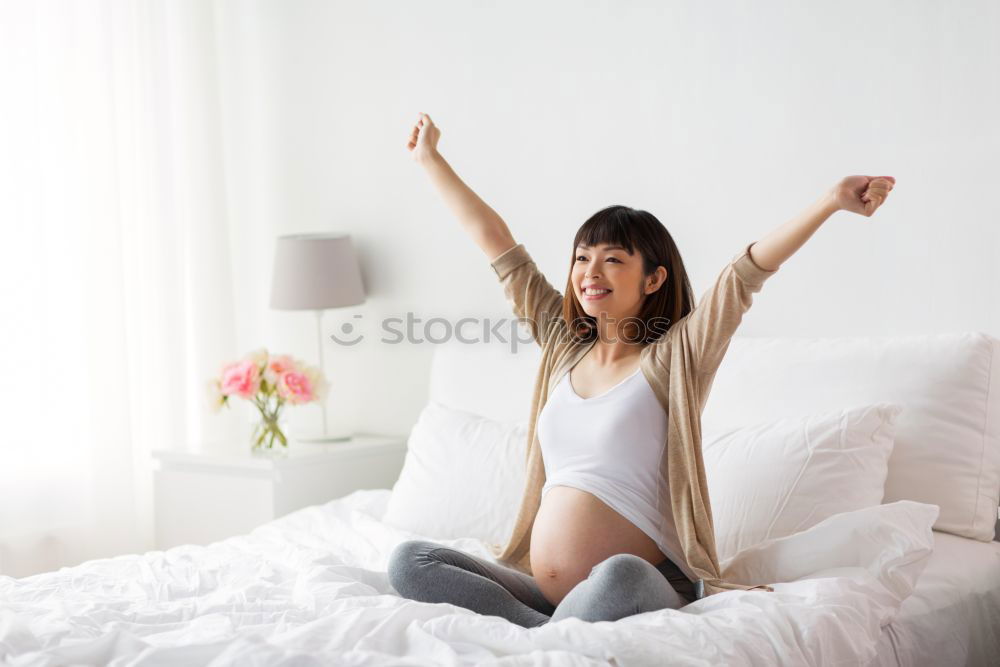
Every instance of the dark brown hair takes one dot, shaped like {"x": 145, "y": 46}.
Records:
{"x": 634, "y": 230}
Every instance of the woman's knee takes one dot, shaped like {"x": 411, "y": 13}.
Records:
{"x": 639, "y": 580}
{"x": 621, "y": 569}
{"x": 634, "y": 584}
{"x": 403, "y": 560}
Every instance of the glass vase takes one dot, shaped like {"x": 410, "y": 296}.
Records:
{"x": 268, "y": 430}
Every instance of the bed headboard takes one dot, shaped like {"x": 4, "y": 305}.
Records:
{"x": 494, "y": 379}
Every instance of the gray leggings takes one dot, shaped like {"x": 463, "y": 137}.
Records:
{"x": 619, "y": 586}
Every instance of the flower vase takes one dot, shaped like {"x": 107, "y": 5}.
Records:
{"x": 269, "y": 382}
{"x": 269, "y": 429}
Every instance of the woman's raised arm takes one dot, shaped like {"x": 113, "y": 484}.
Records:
{"x": 533, "y": 298}
{"x": 857, "y": 194}
{"x": 710, "y": 326}
{"x": 486, "y": 228}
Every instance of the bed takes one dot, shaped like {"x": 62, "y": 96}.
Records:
{"x": 953, "y": 615}
{"x": 310, "y": 588}
{"x": 882, "y": 585}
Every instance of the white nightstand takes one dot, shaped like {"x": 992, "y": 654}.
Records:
{"x": 201, "y": 497}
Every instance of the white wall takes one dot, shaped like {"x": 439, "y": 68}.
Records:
{"x": 722, "y": 119}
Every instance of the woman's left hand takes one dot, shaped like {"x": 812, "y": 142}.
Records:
{"x": 862, "y": 194}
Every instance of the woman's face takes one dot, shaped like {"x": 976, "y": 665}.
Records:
{"x": 609, "y": 280}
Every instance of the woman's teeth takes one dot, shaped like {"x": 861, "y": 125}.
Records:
{"x": 591, "y": 294}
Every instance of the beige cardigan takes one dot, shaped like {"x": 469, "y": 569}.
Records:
{"x": 679, "y": 366}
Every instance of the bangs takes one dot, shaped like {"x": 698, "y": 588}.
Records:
{"x": 609, "y": 226}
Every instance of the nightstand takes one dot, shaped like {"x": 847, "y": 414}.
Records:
{"x": 202, "y": 497}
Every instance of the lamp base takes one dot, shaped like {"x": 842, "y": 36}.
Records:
{"x": 336, "y": 436}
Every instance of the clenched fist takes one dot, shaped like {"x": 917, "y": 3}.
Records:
{"x": 862, "y": 194}
{"x": 423, "y": 138}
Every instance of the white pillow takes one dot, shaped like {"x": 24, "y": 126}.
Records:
{"x": 947, "y": 450}
{"x": 778, "y": 478}
{"x": 463, "y": 476}
{"x": 891, "y": 542}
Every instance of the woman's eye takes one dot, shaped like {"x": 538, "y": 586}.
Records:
{"x": 580, "y": 257}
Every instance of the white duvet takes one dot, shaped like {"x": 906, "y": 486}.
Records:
{"x": 310, "y": 588}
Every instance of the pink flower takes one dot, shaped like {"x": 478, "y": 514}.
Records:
{"x": 241, "y": 378}
{"x": 296, "y": 387}
{"x": 278, "y": 366}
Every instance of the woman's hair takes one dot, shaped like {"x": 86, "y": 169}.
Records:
{"x": 634, "y": 230}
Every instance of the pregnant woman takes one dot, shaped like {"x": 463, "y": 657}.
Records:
{"x": 615, "y": 518}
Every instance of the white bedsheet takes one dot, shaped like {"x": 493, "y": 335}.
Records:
{"x": 953, "y": 615}
{"x": 311, "y": 588}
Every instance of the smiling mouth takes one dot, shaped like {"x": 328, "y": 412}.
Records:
{"x": 595, "y": 294}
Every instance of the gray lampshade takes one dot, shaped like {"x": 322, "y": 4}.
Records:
{"x": 315, "y": 272}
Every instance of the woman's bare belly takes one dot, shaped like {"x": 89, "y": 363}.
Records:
{"x": 574, "y": 531}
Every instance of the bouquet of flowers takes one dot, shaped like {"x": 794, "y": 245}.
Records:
{"x": 268, "y": 381}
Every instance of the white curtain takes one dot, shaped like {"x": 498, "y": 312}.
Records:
{"x": 115, "y": 274}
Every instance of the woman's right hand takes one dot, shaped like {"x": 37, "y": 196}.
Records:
{"x": 862, "y": 194}
{"x": 424, "y": 138}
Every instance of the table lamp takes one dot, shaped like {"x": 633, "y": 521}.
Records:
{"x": 316, "y": 272}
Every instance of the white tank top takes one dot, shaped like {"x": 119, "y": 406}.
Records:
{"x": 610, "y": 446}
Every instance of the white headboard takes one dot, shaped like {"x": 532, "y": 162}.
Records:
{"x": 494, "y": 379}
{"x": 943, "y": 380}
